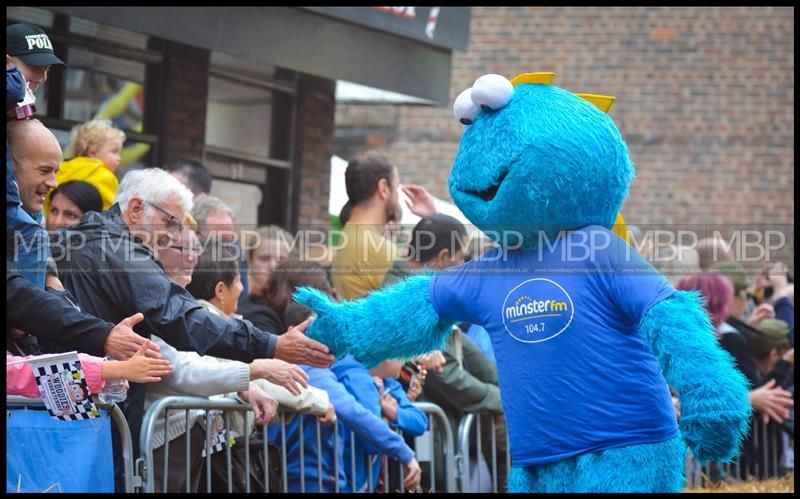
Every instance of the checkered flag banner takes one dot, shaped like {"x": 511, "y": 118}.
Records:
{"x": 216, "y": 434}
{"x": 63, "y": 386}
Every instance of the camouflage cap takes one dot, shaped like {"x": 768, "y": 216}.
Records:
{"x": 775, "y": 334}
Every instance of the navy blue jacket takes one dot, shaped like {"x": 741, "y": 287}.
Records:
{"x": 15, "y": 92}
{"x": 351, "y": 416}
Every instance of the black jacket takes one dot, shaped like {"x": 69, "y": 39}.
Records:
{"x": 261, "y": 316}
{"x": 50, "y": 317}
{"x": 113, "y": 275}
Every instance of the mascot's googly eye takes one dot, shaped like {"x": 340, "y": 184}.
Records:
{"x": 492, "y": 91}
{"x": 464, "y": 109}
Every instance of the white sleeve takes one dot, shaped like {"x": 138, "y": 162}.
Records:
{"x": 311, "y": 400}
{"x": 202, "y": 376}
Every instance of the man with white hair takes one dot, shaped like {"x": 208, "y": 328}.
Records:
{"x": 107, "y": 263}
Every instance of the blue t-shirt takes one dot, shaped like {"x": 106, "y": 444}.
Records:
{"x": 576, "y": 375}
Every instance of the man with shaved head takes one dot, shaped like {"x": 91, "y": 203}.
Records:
{"x": 35, "y": 157}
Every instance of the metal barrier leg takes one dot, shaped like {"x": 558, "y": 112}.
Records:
{"x": 479, "y": 454}
{"x": 402, "y": 477}
{"x": 369, "y": 472}
{"x": 433, "y": 454}
{"x": 228, "y": 450}
{"x": 208, "y": 453}
{"x": 188, "y": 456}
{"x": 336, "y": 456}
{"x": 247, "y": 452}
{"x": 385, "y": 467}
{"x": 265, "y": 442}
{"x": 319, "y": 456}
{"x": 494, "y": 457}
{"x": 283, "y": 454}
{"x": 449, "y": 453}
{"x": 127, "y": 443}
{"x": 302, "y": 455}
{"x": 464, "y": 428}
{"x": 765, "y": 452}
{"x": 166, "y": 451}
{"x": 756, "y": 443}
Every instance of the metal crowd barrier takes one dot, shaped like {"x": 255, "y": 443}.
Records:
{"x": 161, "y": 408}
{"x": 769, "y": 463}
{"x": 463, "y": 465}
{"x": 436, "y": 418}
{"x": 145, "y": 464}
{"x": 116, "y": 416}
{"x": 771, "y": 456}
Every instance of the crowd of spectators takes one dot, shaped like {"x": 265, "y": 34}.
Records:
{"x": 151, "y": 271}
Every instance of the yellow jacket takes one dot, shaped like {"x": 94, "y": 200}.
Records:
{"x": 90, "y": 170}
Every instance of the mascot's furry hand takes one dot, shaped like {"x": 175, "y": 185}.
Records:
{"x": 376, "y": 328}
{"x": 327, "y": 328}
{"x": 715, "y": 407}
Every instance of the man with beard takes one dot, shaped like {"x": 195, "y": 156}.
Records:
{"x": 365, "y": 255}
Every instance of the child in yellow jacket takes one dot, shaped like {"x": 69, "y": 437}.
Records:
{"x": 96, "y": 147}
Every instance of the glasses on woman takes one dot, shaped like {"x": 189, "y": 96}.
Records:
{"x": 173, "y": 224}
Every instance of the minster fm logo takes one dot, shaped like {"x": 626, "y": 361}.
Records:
{"x": 537, "y": 310}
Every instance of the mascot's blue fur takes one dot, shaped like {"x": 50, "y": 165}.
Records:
{"x": 548, "y": 161}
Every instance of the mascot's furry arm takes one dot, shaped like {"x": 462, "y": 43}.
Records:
{"x": 715, "y": 407}
{"x": 398, "y": 322}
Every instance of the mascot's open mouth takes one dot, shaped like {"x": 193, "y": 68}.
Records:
{"x": 491, "y": 192}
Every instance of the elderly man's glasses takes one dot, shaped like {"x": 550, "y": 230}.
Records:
{"x": 173, "y": 224}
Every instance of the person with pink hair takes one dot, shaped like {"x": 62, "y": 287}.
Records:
{"x": 717, "y": 294}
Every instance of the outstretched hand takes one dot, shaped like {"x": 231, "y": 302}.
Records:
{"x": 139, "y": 368}
{"x": 122, "y": 342}
{"x": 280, "y": 373}
{"x": 433, "y": 361}
{"x": 420, "y": 201}
{"x": 771, "y": 402}
{"x": 295, "y": 347}
{"x": 328, "y": 326}
{"x": 264, "y": 407}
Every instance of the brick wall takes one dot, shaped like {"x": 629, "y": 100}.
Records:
{"x": 185, "y": 94}
{"x": 314, "y": 139}
{"x": 705, "y": 100}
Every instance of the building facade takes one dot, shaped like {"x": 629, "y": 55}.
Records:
{"x": 705, "y": 101}
{"x": 250, "y": 91}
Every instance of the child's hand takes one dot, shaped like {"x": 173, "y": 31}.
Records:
{"x": 379, "y": 383}
{"x": 264, "y": 407}
{"x": 139, "y": 368}
{"x": 329, "y": 417}
{"x": 389, "y": 407}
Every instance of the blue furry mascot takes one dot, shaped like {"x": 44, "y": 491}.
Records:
{"x": 586, "y": 333}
